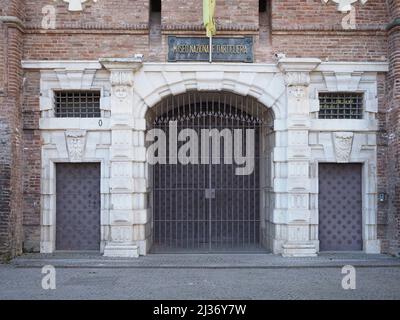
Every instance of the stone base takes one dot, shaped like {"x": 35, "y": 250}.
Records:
{"x": 299, "y": 250}
{"x": 121, "y": 251}
{"x": 46, "y": 247}
{"x": 372, "y": 246}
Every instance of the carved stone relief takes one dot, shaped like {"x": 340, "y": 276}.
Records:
{"x": 343, "y": 142}
{"x": 76, "y": 144}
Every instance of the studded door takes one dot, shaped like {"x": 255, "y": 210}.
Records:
{"x": 340, "y": 207}
{"x": 78, "y": 207}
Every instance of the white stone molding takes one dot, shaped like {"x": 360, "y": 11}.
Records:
{"x": 343, "y": 142}
{"x": 77, "y": 79}
{"x": 348, "y": 77}
{"x": 342, "y": 81}
{"x": 156, "y": 81}
{"x": 69, "y": 75}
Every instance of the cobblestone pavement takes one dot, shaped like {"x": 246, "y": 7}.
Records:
{"x": 200, "y": 277}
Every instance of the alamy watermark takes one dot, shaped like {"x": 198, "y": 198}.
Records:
{"x": 49, "y": 12}
{"x": 349, "y": 280}
{"x": 49, "y": 278}
{"x": 206, "y": 146}
{"x": 349, "y": 21}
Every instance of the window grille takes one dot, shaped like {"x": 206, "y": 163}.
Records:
{"x": 77, "y": 104}
{"x": 341, "y": 105}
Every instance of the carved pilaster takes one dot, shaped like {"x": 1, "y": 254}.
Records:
{"x": 123, "y": 241}
{"x": 297, "y": 79}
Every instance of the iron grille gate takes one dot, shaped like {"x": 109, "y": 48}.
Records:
{"x": 207, "y": 208}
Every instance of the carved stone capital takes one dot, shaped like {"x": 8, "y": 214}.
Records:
{"x": 123, "y": 64}
{"x": 122, "y": 78}
{"x": 122, "y": 72}
{"x": 297, "y": 79}
{"x": 297, "y": 70}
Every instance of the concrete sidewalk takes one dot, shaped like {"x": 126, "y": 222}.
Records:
{"x": 204, "y": 277}
{"x": 201, "y": 277}
{"x": 204, "y": 261}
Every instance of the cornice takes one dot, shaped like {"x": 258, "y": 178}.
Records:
{"x": 13, "y": 21}
{"x": 92, "y": 26}
{"x": 89, "y": 31}
{"x": 200, "y": 27}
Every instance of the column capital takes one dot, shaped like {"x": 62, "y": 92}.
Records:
{"x": 121, "y": 77}
{"x": 297, "y": 70}
{"x": 123, "y": 64}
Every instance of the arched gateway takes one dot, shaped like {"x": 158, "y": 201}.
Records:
{"x": 211, "y": 182}
{"x": 208, "y": 207}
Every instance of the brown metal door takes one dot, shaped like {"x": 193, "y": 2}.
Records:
{"x": 78, "y": 207}
{"x": 340, "y": 207}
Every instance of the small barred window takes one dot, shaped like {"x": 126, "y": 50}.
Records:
{"x": 341, "y": 105}
{"x": 77, "y": 104}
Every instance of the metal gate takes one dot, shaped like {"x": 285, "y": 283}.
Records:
{"x": 207, "y": 207}
{"x": 78, "y": 207}
{"x": 340, "y": 207}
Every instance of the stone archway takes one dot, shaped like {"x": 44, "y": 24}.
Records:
{"x": 216, "y": 195}
{"x": 138, "y": 88}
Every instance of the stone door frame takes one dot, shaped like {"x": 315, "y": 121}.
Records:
{"x": 130, "y": 87}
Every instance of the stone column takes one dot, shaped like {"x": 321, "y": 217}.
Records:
{"x": 12, "y": 209}
{"x": 298, "y": 155}
{"x": 124, "y": 155}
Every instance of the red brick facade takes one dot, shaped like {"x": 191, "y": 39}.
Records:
{"x": 393, "y": 129}
{"x": 121, "y": 28}
{"x": 11, "y": 137}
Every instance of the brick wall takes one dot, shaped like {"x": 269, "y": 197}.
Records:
{"x": 332, "y": 46}
{"x": 118, "y": 14}
{"x": 120, "y": 28}
{"x": 32, "y": 160}
{"x": 313, "y": 15}
{"x": 83, "y": 46}
{"x": 11, "y": 133}
{"x": 232, "y": 12}
{"x": 382, "y": 169}
{"x": 393, "y": 133}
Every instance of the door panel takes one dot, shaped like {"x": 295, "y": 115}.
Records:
{"x": 78, "y": 207}
{"x": 340, "y": 207}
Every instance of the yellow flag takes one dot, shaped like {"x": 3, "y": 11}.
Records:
{"x": 208, "y": 17}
